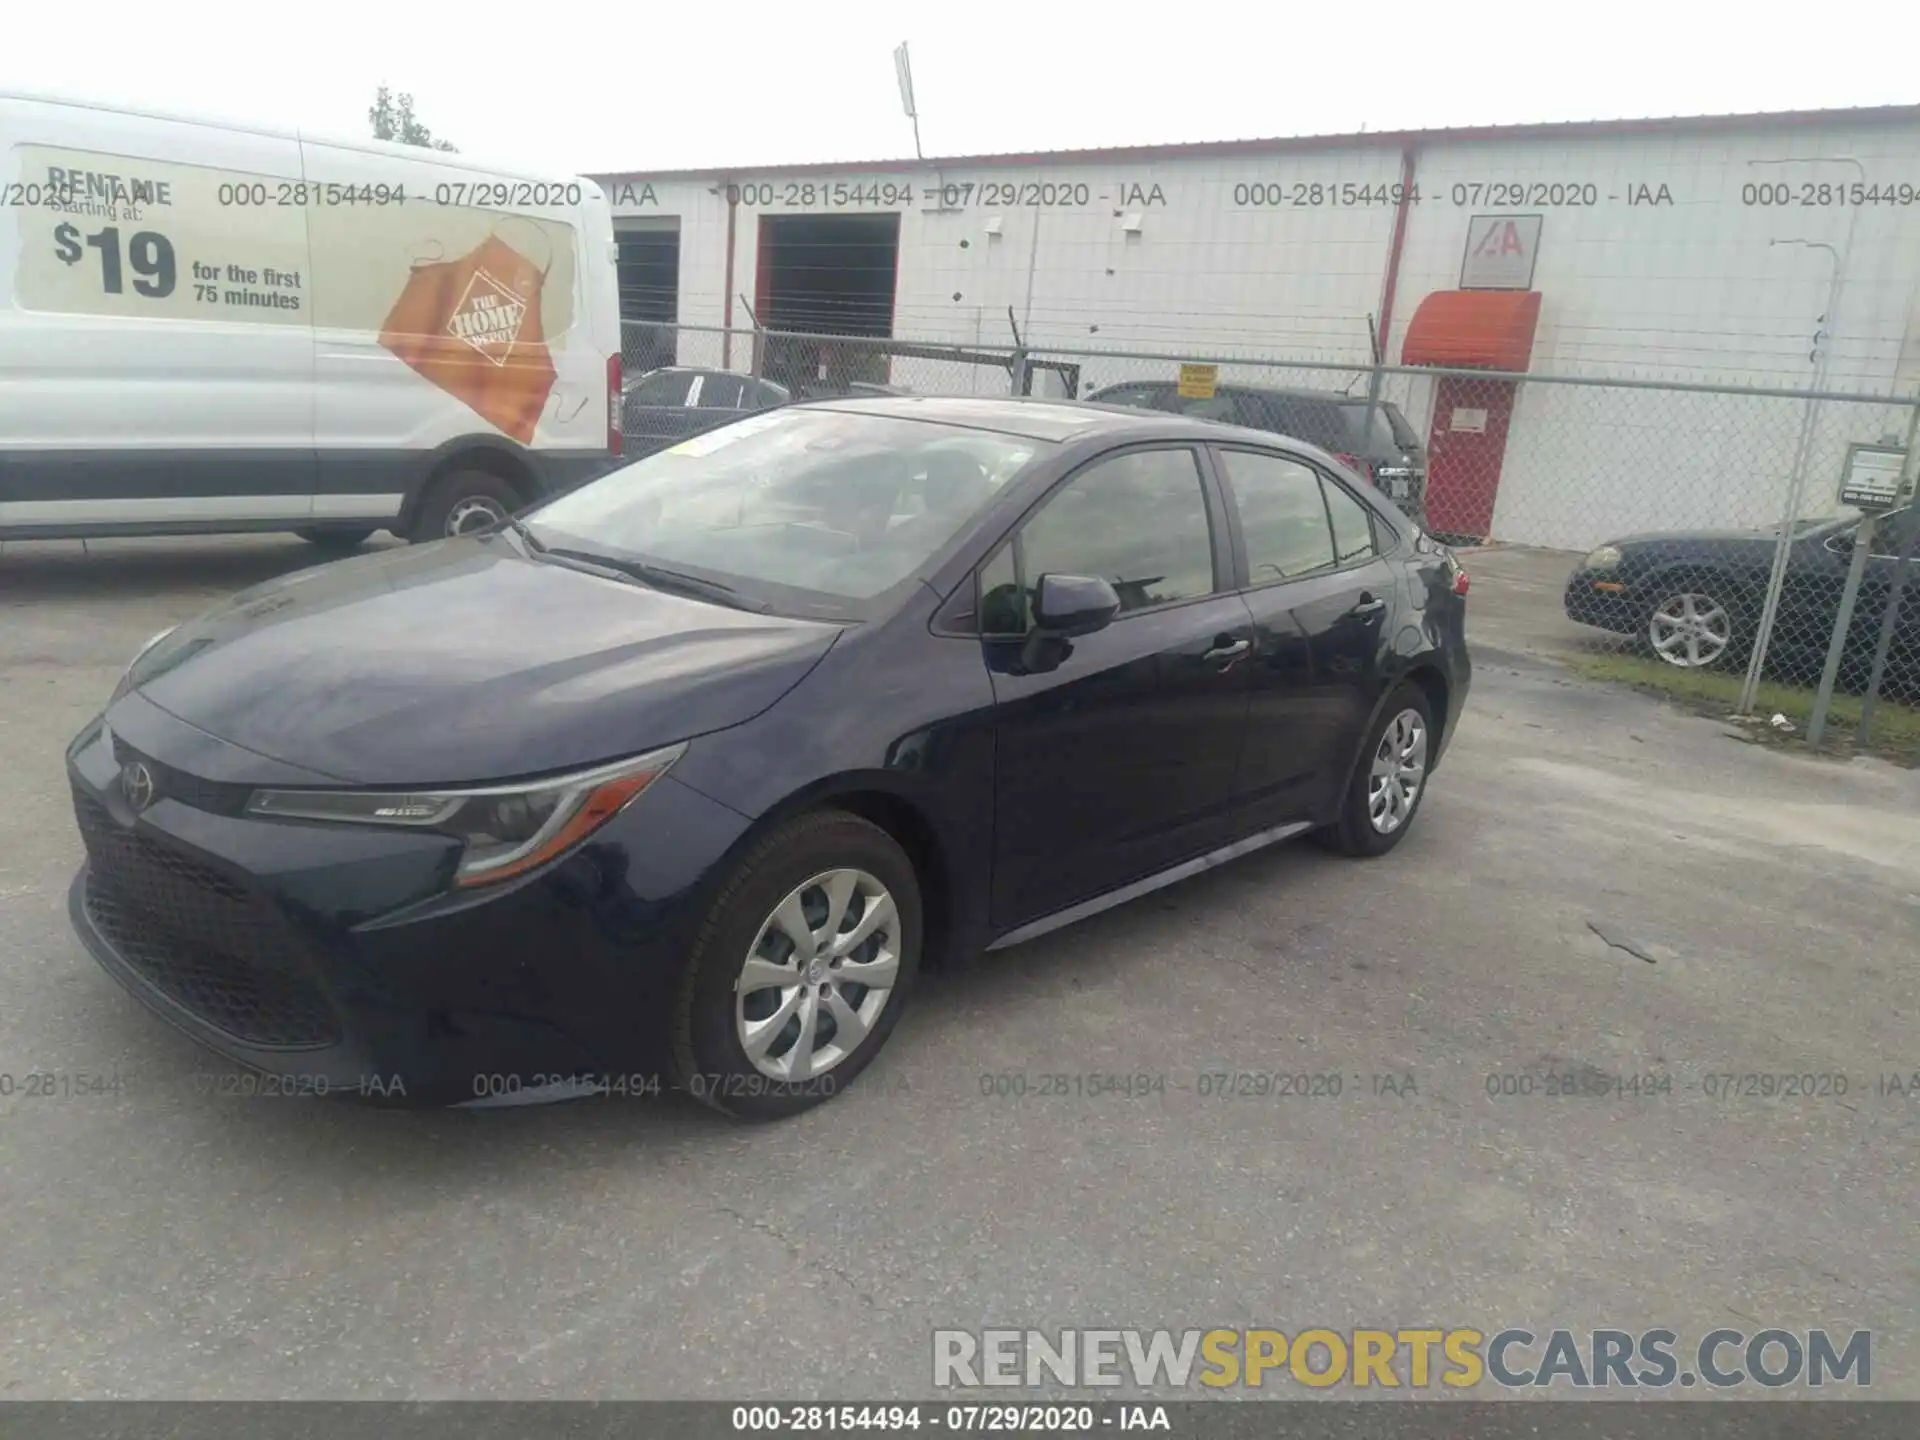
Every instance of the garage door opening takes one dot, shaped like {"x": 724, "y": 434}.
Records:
{"x": 649, "y": 266}
{"x": 827, "y": 275}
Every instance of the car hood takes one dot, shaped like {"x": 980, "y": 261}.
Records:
{"x": 467, "y": 660}
{"x": 1768, "y": 536}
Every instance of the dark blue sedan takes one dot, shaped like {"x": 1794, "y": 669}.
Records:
{"x": 689, "y": 772}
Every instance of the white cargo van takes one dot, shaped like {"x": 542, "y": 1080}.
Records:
{"x": 210, "y": 328}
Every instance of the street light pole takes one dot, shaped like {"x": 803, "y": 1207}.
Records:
{"x": 903, "y": 72}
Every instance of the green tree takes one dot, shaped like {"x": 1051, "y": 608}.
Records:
{"x": 393, "y": 119}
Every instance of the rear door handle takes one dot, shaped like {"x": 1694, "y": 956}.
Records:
{"x": 1225, "y": 655}
{"x": 1368, "y": 604}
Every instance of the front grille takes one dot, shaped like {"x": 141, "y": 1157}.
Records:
{"x": 204, "y": 940}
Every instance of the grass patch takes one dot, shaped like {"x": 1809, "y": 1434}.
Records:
{"x": 1896, "y": 726}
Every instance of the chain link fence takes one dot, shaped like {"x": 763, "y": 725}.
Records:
{"x": 1699, "y": 526}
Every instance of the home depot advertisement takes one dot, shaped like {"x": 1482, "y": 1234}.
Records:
{"x": 474, "y": 301}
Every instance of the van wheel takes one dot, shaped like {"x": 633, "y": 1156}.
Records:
{"x": 462, "y": 503}
{"x": 335, "y": 540}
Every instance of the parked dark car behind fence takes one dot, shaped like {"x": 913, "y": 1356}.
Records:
{"x": 1375, "y": 441}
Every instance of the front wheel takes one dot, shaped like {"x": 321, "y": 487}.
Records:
{"x": 1389, "y": 782}
{"x": 801, "y": 969}
{"x": 1693, "y": 625}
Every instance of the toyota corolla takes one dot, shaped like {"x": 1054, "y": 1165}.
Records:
{"x": 697, "y": 766}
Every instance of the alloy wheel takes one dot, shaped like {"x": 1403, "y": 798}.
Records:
{"x": 1399, "y": 770}
{"x": 817, "y": 975}
{"x": 1690, "y": 630}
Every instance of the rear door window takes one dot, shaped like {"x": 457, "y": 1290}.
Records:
{"x": 1353, "y": 533}
{"x": 1283, "y": 515}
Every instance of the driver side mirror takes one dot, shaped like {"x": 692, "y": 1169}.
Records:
{"x": 1068, "y": 605}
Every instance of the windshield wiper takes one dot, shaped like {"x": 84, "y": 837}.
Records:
{"x": 525, "y": 532}
{"x": 661, "y": 578}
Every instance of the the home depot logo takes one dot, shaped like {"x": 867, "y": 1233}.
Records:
{"x": 488, "y": 317}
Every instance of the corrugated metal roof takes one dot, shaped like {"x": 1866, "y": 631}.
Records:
{"x": 1400, "y": 139}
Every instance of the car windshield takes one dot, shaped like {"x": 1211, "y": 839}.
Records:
{"x": 836, "y": 503}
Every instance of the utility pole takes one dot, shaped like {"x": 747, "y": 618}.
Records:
{"x": 1822, "y": 352}
{"x": 1909, "y": 485}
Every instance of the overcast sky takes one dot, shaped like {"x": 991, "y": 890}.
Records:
{"x": 597, "y": 85}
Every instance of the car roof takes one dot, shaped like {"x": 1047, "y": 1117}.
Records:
{"x": 1030, "y": 419}
{"x": 1235, "y": 387}
{"x": 1061, "y": 420}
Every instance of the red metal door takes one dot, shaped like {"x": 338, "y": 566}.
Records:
{"x": 1465, "y": 447}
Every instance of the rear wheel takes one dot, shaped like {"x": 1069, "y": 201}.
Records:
{"x": 461, "y": 503}
{"x": 801, "y": 970}
{"x": 1389, "y": 782}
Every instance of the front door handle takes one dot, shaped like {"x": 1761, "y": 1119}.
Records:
{"x": 1225, "y": 655}
{"x": 1368, "y": 604}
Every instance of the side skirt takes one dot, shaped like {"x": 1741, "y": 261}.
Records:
{"x": 1184, "y": 870}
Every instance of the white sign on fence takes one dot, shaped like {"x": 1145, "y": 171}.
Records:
{"x": 1872, "y": 481}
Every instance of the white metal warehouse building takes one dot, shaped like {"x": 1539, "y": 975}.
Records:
{"x": 1773, "y": 251}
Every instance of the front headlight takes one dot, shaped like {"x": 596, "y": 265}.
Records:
{"x": 508, "y": 829}
{"x": 126, "y": 676}
{"x": 1607, "y": 557}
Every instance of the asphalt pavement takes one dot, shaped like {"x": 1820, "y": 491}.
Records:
{"x": 1597, "y": 886}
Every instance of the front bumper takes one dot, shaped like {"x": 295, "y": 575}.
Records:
{"x": 1613, "y": 608}
{"x": 336, "y": 956}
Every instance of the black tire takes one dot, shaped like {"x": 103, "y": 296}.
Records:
{"x": 460, "y": 494}
{"x": 1731, "y": 600}
{"x": 335, "y": 540}
{"x": 707, "y": 1057}
{"x": 1354, "y": 833}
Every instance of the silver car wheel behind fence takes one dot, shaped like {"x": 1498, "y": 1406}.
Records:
{"x": 1399, "y": 770}
{"x": 1690, "y": 630}
{"x": 474, "y": 512}
{"x": 818, "y": 975}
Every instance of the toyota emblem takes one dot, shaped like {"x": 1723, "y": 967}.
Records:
{"x": 137, "y": 783}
